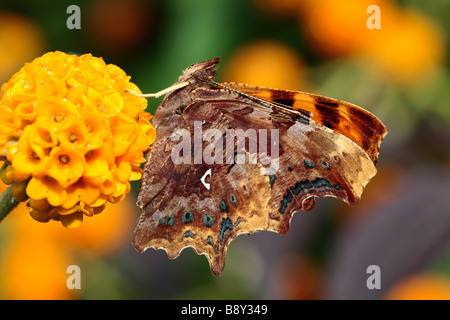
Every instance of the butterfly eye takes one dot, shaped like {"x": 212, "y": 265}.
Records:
{"x": 336, "y": 159}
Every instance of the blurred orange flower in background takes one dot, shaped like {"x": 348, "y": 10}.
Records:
{"x": 407, "y": 46}
{"x": 34, "y": 268}
{"x": 337, "y": 28}
{"x": 267, "y": 63}
{"x": 35, "y": 256}
{"x": 20, "y": 40}
{"x": 118, "y": 26}
{"x": 423, "y": 286}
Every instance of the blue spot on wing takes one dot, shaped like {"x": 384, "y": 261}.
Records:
{"x": 189, "y": 234}
{"x": 208, "y": 220}
{"x": 166, "y": 220}
{"x": 226, "y": 225}
{"x": 223, "y": 206}
{"x": 233, "y": 200}
{"x": 272, "y": 179}
{"x": 285, "y": 201}
{"x": 321, "y": 182}
{"x": 301, "y": 185}
{"x": 188, "y": 217}
{"x": 309, "y": 164}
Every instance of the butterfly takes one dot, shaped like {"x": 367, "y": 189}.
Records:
{"x": 201, "y": 188}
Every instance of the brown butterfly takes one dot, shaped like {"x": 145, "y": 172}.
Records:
{"x": 195, "y": 193}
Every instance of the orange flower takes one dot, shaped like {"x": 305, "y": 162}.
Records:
{"x": 65, "y": 165}
{"x": 47, "y": 188}
{"x": 21, "y": 40}
{"x": 421, "y": 287}
{"x": 407, "y": 48}
{"x": 30, "y": 157}
{"x": 34, "y": 269}
{"x": 267, "y": 63}
{"x": 34, "y": 257}
{"x": 71, "y": 128}
{"x": 337, "y": 28}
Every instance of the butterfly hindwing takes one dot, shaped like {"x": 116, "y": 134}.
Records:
{"x": 178, "y": 210}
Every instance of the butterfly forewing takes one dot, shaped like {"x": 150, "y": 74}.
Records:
{"x": 357, "y": 124}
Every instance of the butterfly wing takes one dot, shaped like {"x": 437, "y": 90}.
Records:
{"x": 179, "y": 211}
{"x": 345, "y": 118}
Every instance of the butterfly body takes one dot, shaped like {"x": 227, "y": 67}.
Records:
{"x": 288, "y": 155}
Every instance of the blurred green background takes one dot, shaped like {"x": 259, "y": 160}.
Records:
{"x": 399, "y": 72}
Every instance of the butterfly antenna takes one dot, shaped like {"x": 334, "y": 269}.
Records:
{"x": 162, "y": 92}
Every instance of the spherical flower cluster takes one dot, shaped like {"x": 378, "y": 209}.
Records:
{"x": 72, "y": 135}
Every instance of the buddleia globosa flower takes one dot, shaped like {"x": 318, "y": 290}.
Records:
{"x": 72, "y": 136}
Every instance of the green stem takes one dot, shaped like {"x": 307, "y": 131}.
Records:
{"x": 7, "y": 203}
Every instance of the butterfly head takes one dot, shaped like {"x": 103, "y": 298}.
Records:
{"x": 203, "y": 71}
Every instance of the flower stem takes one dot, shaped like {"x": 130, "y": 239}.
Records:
{"x": 7, "y": 203}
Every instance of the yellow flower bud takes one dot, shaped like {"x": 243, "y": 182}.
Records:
{"x": 18, "y": 191}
